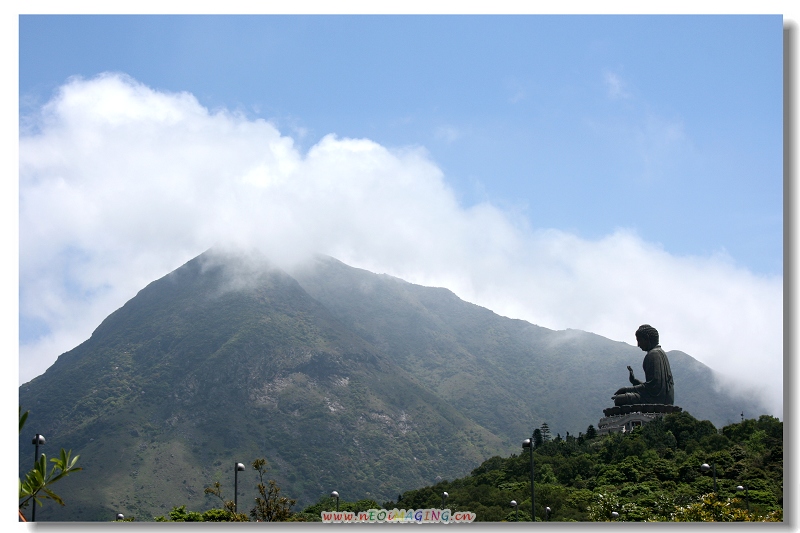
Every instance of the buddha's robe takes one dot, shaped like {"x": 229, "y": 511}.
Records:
{"x": 658, "y": 386}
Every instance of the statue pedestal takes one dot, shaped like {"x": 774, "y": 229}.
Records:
{"x": 624, "y": 418}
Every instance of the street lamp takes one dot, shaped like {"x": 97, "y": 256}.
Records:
{"x": 705, "y": 468}
{"x": 37, "y": 440}
{"x": 335, "y": 494}
{"x": 746, "y": 495}
{"x": 528, "y": 443}
{"x": 239, "y": 468}
{"x": 547, "y": 512}
{"x": 444, "y": 497}
{"x": 514, "y": 505}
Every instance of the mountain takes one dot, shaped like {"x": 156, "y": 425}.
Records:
{"x": 343, "y": 379}
{"x": 526, "y": 374}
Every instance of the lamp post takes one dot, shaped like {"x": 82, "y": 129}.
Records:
{"x": 746, "y": 495}
{"x": 705, "y": 468}
{"x": 445, "y": 495}
{"x": 547, "y": 512}
{"x": 37, "y": 440}
{"x": 514, "y": 505}
{"x": 335, "y": 494}
{"x": 528, "y": 443}
{"x": 239, "y": 468}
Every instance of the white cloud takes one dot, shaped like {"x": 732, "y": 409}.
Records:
{"x": 119, "y": 184}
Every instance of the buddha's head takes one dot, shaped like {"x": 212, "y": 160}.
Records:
{"x": 647, "y": 337}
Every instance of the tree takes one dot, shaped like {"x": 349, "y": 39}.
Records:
{"x": 602, "y": 506}
{"x": 537, "y": 438}
{"x": 327, "y": 503}
{"x": 642, "y": 475}
{"x": 546, "y": 475}
{"x": 226, "y": 514}
{"x": 180, "y": 514}
{"x": 545, "y": 432}
{"x": 270, "y": 505}
{"x": 710, "y": 508}
{"x": 36, "y": 485}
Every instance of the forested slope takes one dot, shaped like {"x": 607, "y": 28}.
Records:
{"x": 651, "y": 474}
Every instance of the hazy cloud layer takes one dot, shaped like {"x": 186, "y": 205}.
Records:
{"x": 120, "y": 184}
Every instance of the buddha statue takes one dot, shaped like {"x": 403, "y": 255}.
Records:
{"x": 658, "y": 386}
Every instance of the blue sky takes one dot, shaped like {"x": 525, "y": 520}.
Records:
{"x": 589, "y": 172}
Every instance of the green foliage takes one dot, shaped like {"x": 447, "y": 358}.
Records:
{"x": 545, "y": 431}
{"x": 537, "y": 438}
{"x": 36, "y": 486}
{"x": 602, "y": 506}
{"x": 327, "y": 503}
{"x": 709, "y": 508}
{"x": 180, "y": 514}
{"x": 647, "y": 475}
{"x": 37, "y": 482}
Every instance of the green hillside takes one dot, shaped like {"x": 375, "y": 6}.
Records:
{"x": 524, "y": 372}
{"x": 650, "y": 474}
